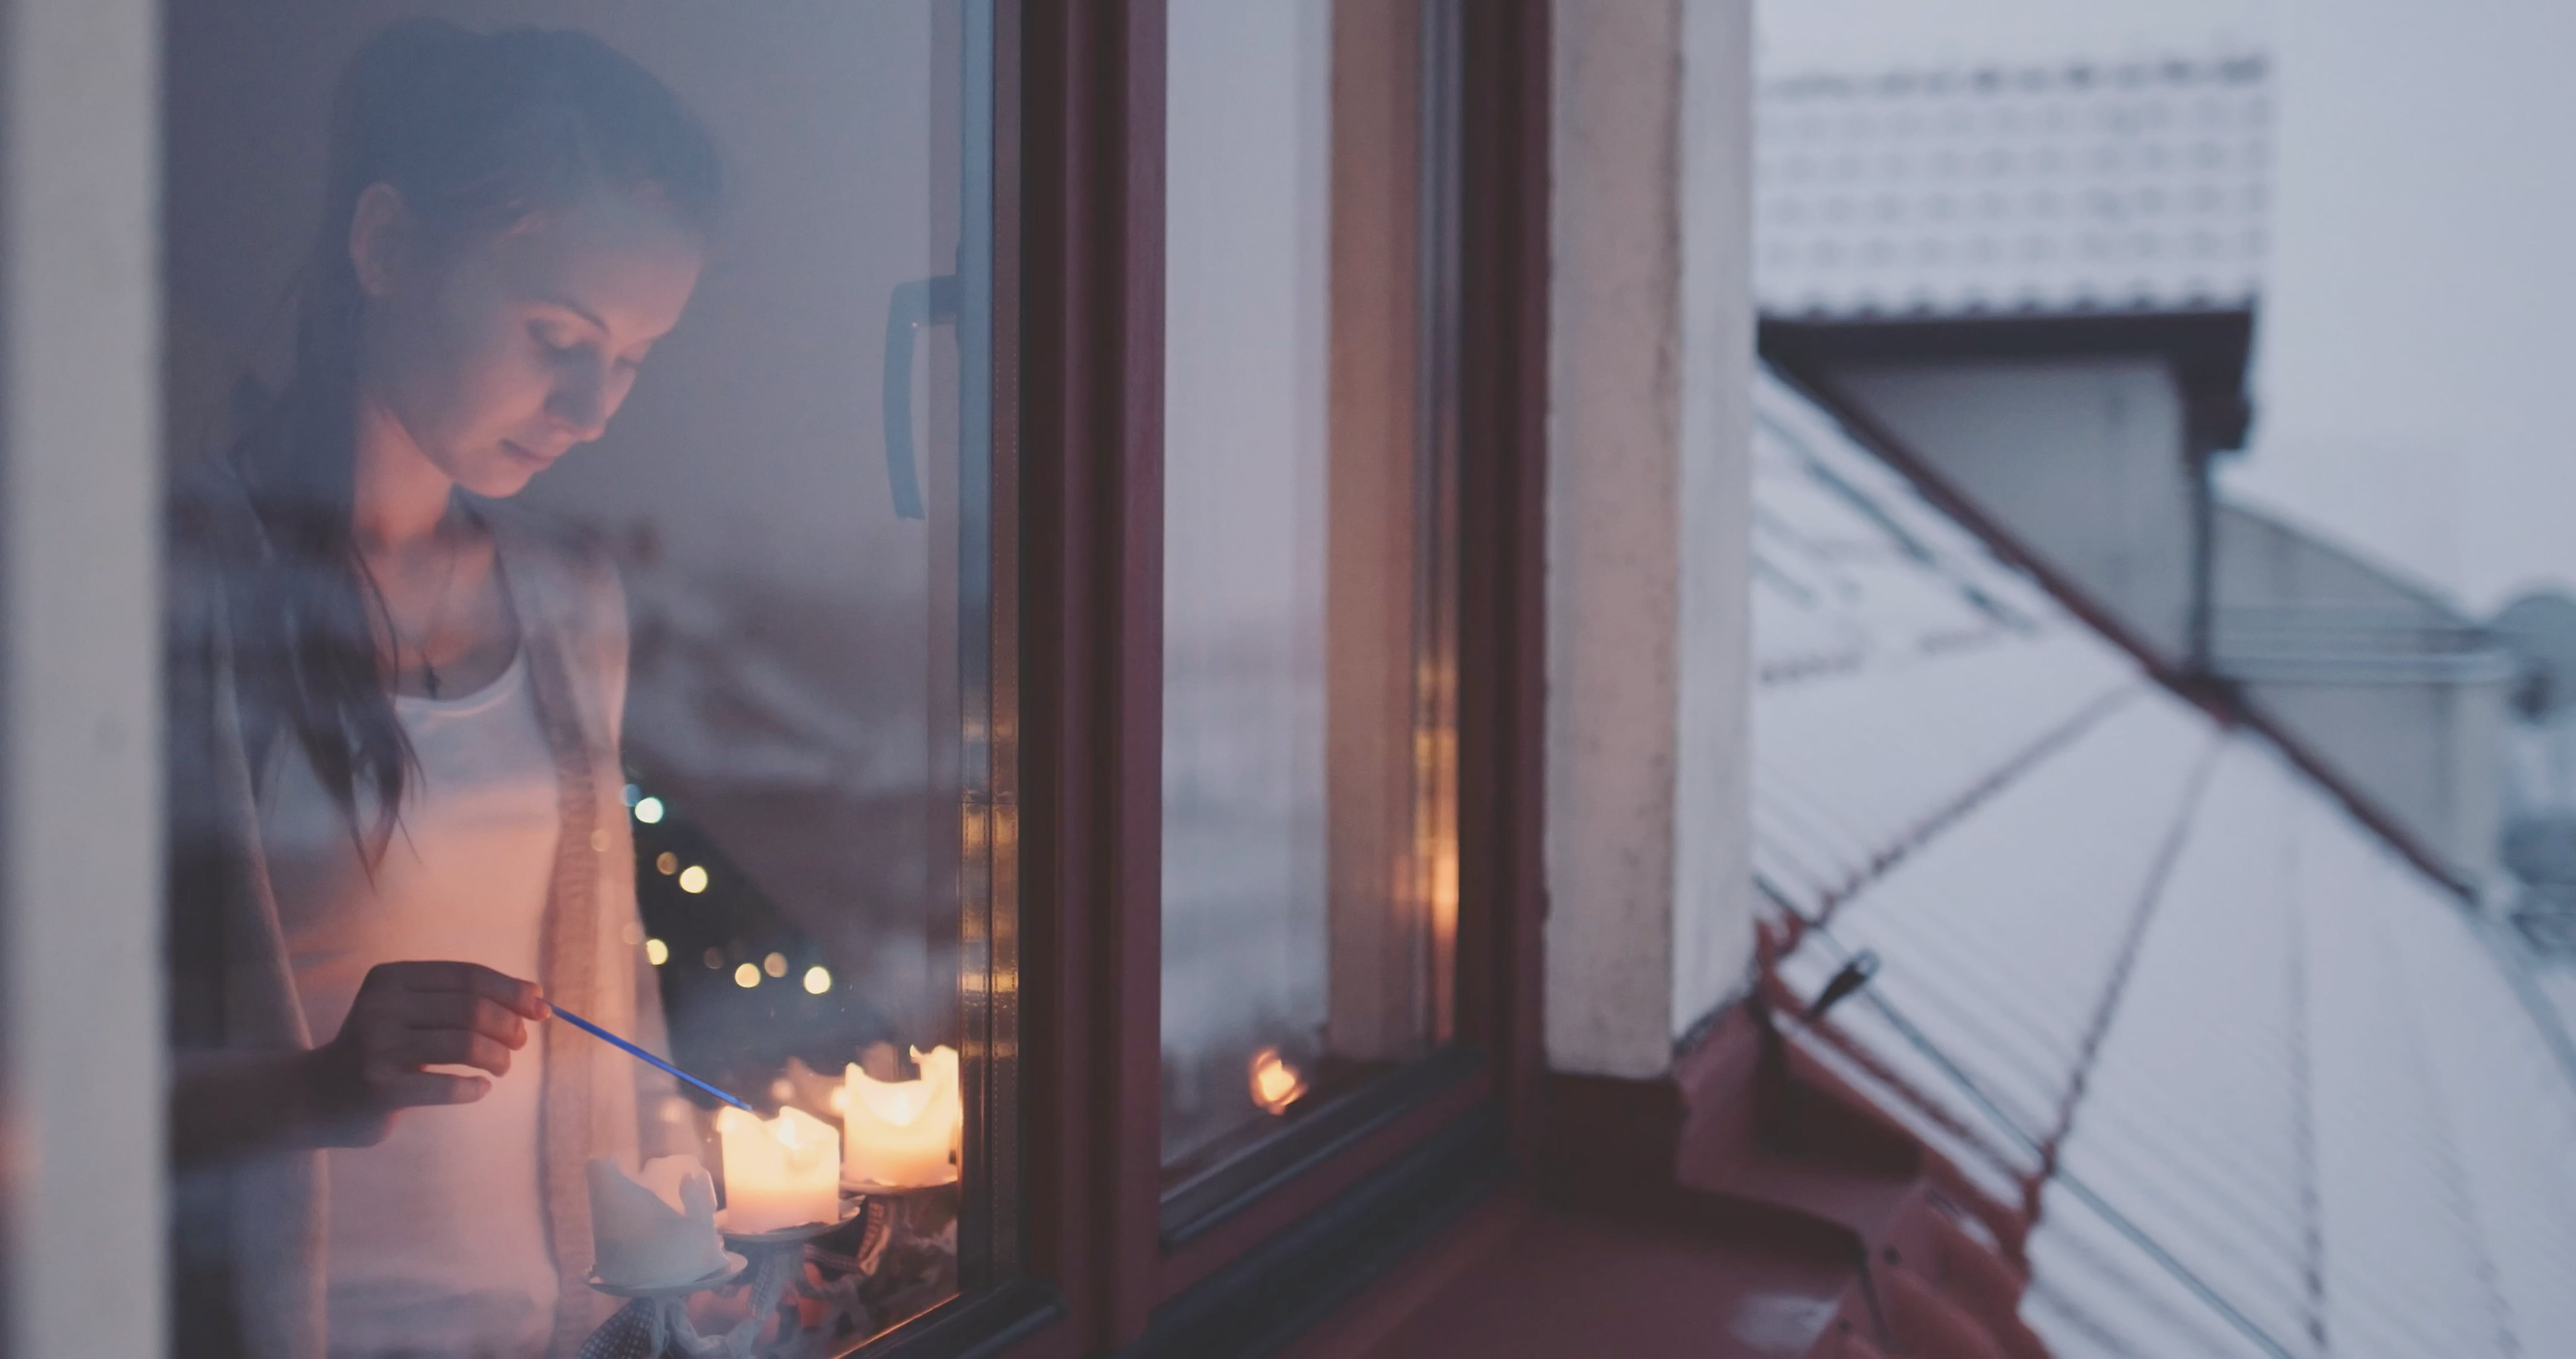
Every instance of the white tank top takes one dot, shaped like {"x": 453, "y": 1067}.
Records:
{"x": 436, "y": 1237}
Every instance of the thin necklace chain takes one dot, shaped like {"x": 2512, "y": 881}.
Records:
{"x": 437, "y": 626}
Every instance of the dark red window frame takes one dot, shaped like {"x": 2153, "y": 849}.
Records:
{"x": 1083, "y": 153}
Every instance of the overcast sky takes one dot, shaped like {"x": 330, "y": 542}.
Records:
{"x": 2417, "y": 346}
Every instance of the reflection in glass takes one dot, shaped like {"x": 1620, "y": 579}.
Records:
{"x": 790, "y": 724}
{"x": 1309, "y": 844}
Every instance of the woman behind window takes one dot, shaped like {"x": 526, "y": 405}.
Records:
{"x": 396, "y": 824}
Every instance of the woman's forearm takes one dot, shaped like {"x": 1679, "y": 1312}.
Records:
{"x": 411, "y": 1025}
{"x": 228, "y": 1104}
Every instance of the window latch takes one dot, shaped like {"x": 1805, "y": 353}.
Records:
{"x": 918, "y": 303}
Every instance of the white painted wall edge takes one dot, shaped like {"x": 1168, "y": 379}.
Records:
{"x": 1712, "y": 801}
{"x": 80, "y": 751}
{"x": 1612, "y": 536}
{"x": 1649, "y": 921}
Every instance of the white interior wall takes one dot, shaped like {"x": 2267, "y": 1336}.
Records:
{"x": 1650, "y": 918}
{"x": 1712, "y": 796}
{"x": 81, "y": 1057}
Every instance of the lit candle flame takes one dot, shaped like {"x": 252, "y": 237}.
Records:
{"x": 779, "y": 1172}
{"x": 903, "y": 1133}
{"x": 1275, "y": 1084}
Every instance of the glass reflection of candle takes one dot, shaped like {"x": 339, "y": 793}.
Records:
{"x": 1275, "y": 1084}
{"x": 779, "y": 1172}
{"x": 903, "y": 1134}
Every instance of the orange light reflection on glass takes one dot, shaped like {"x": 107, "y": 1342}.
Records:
{"x": 1275, "y": 1084}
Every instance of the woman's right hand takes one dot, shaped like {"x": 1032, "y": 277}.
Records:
{"x": 407, "y": 1018}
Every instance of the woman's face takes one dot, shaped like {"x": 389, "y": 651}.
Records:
{"x": 498, "y": 355}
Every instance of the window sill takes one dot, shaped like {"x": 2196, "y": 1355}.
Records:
{"x": 982, "y": 1324}
{"x": 1195, "y": 1205}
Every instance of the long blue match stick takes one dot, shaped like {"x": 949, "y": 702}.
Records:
{"x": 633, "y": 1051}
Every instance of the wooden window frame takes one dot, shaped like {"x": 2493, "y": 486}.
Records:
{"x": 1079, "y": 175}
{"x": 1078, "y": 172}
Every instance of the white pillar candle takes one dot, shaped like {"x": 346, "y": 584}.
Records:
{"x": 779, "y": 1172}
{"x": 903, "y": 1134}
{"x": 654, "y": 1229}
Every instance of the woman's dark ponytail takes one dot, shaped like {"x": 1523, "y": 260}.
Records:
{"x": 476, "y": 132}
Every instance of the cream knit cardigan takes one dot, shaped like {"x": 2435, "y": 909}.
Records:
{"x": 249, "y": 1233}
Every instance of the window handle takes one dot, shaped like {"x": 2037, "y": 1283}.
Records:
{"x": 921, "y": 302}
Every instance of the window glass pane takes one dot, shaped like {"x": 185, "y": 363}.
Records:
{"x": 583, "y": 580}
{"x": 1309, "y": 866}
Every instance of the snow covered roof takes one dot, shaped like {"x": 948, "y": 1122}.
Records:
{"x": 2122, "y": 186}
{"x": 2261, "y": 1086}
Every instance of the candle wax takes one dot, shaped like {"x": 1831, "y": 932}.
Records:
{"x": 903, "y": 1134}
{"x": 779, "y": 1172}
